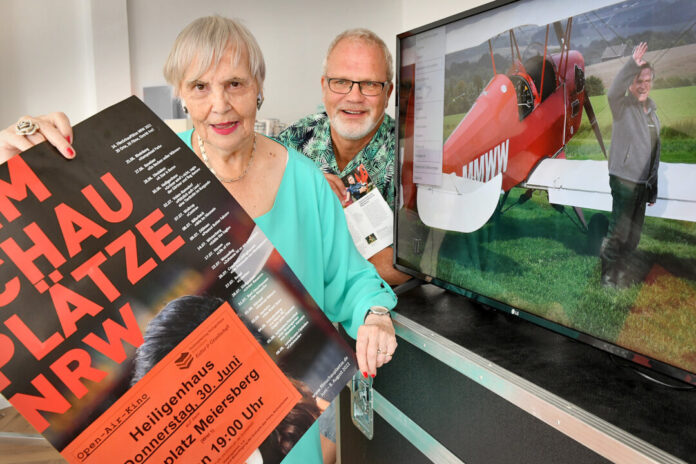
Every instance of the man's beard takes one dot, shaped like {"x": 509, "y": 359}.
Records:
{"x": 352, "y": 131}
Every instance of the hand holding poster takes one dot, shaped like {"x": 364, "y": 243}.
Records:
{"x": 93, "y": 248}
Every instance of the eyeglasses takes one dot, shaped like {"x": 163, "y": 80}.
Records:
{"x": 367, "y": 88}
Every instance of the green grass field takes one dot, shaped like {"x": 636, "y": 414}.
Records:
{"x": 533, "y": 257}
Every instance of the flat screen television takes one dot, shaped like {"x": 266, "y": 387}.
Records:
{"x": 546, "y": 173}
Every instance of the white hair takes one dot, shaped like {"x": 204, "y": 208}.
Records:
{"x": 205, "y": 41}
{"x": 364, "y": 35}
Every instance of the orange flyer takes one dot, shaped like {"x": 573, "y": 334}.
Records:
{"x": 214, "y": 398}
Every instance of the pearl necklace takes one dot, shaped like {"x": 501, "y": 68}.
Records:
{"x": 226, "y": 180}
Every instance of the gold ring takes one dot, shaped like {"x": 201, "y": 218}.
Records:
{"x": 389, "y": 354}
{"x": 26, "y": 127}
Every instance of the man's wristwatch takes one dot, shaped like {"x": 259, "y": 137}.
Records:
{"x": 378, "y": 311}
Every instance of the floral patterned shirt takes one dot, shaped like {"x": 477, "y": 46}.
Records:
{"x": 311, "y": 136}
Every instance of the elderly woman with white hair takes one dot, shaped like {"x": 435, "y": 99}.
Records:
{"x": 217, "y": 70}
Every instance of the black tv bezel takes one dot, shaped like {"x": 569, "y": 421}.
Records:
{"x": 639, "y": 359}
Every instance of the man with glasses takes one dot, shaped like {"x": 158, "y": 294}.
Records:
{"x": 355, "y": 129}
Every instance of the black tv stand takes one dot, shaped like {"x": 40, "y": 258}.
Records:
{"x": 651, "y": 376}
{"x": 488, "y": 387}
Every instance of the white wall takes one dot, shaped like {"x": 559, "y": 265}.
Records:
{"x": 110, "y": 53}
{"x": 70, "y": 56}
{"x": 45, "y": 62}
{"x": 80, "y": 56}
{"x": 415, "y": 13}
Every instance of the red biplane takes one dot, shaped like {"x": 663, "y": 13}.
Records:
{"x": 515, "y": 135}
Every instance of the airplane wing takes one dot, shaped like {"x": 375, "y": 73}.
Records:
{"x": 585, "y": 183}
{"x": 458, "y": 204}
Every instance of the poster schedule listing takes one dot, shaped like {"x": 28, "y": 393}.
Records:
{"x": 212, "y": 399}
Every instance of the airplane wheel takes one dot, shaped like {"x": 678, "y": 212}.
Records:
{"x": 596, "y": 231}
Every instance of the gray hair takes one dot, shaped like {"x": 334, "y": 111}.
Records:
{"x": 205, "y": 41}
{"x": 364, "y": 35}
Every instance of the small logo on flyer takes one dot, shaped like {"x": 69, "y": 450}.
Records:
{"x": 184, "y": 360}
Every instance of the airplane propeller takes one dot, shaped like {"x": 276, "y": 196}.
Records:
{"x": 563, "y": 36}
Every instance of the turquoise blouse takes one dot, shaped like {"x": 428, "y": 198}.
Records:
{"x": 308, "y": 228}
